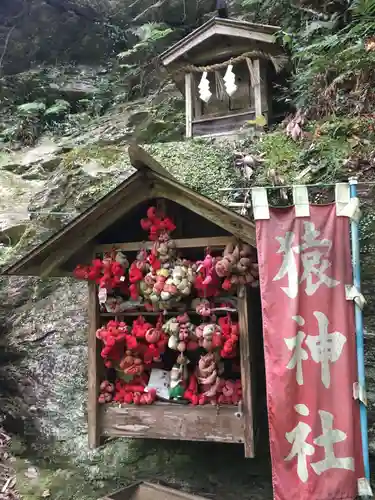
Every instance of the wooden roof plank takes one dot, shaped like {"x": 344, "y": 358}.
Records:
{"x": 134, "y": 246}
{"x": 235, "y": 224}
{"x": 83, "y": 235}
{"x": 143, "y": 161}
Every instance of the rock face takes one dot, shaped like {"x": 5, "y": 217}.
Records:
{"x": 72, "y": 25}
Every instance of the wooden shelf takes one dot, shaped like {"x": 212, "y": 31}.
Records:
{"x": 156, "y": 313}
{"x": 134, "y": 246}
{"x": 169, "y": 421}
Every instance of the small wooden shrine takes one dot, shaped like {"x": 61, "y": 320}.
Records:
{"x": 225, "y": 69}
{"x": 148, "y": 491}
{"x": 172, "y": 280}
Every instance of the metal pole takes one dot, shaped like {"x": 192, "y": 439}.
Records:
{"x": 359, "y": 331}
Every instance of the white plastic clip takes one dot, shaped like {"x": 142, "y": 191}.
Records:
{"x": 301, "y": 201}
{"x": 260, "y": 203}
{"x": 352, "y": 210}
{"x": 364, "y": 488}
{"x": 352, "y": 293}
{"x": 342, "y": 197}
{"x": 359, "y": 392}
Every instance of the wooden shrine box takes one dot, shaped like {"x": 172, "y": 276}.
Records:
{"x": 256, "y": 58}
{"x": 150, "y": 491}
{"x": 114, "y": 222}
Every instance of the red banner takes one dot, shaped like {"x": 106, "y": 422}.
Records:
{"x": 310, "y": 354}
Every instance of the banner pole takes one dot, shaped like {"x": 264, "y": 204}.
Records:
{"x": 359, "y": 332}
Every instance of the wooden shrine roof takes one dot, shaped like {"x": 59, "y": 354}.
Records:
{"x": 149, "y": 181}
{"x": 231, "y": 28}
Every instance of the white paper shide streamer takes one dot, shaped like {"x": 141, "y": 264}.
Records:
{"x": 230, "y": 81}
{"x": 204, "y": 88}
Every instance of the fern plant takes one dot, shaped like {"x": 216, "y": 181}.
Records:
{"x": 335, "y": 71}
{"x": 140, "y": 61}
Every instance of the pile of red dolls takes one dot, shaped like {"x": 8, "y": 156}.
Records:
{"x": 133, "y": 351}
{"x": 202, "y": 344}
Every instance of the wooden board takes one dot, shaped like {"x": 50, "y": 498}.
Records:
{"x": 94, "y": 367}
{"x": 134, "y": 246}
{"x": 240, "y": 227}
{"x": 149, "y": 491}
{"x": 188, "y": 103}
{"x": 103, "y": 220}
{"x": 258, "y": 389}
{"x": 143, "y": 161}
{"x": 246, "y": 375}
{"x": 222, "y": 124}
{"x": 172, "y": 421}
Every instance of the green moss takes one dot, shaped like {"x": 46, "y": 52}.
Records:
{"x": 107, "y": 156}
{"x": 280, "y": 151}
{"x": 192, "y": 466}
{"x": 203, "y": 165}
{"x": 59, "y": 484}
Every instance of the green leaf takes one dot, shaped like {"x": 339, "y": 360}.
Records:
{"x": 31, "y": 108}
{"x": 287, "y": 39}
{"x": 250, "y": 3}
{"x": 259, "y": 121}
{"x": 123, "y": 376}
{"x": 60, "y": 107}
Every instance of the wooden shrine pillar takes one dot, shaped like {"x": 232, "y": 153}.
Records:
{"x": 246, "y": 378}
{"x": 197, "y": 103}
{"x": 258, "y": 76}
{"x": 94, "y": 368}
{"x": 189, "y": 104}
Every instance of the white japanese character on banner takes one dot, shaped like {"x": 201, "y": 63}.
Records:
{"x": 314, "y": 261}
{"x": 302, "y": 449}
{"x": 327, "y": 439}
{"x": 325, "y": 348}
{"x": 294, "y": 344}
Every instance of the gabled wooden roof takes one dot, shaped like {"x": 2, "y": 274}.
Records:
{"x": 149, "y": 181}
{"x": 219, "y": 26}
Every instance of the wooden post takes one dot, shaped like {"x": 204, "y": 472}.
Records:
{"x": 264, "y": 89}
{"x": 189, "y": 104}
{"x": 197, "y": 103}
{"x": 246, "y": 374}
{"x": 257, "y": 88}
{"x": 258, "y": 78}
{"x": 93, "y": 368}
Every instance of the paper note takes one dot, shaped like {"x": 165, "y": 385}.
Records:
{"x": 160, "y": 380}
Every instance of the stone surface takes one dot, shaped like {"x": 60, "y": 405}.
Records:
{"x": 15, "y": 194}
